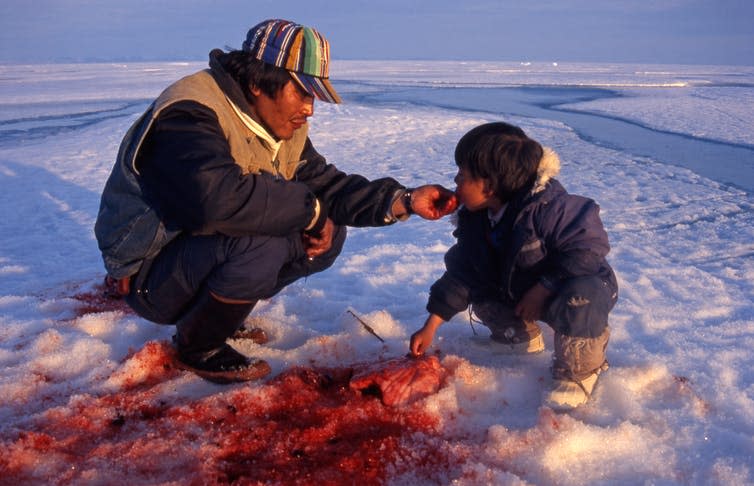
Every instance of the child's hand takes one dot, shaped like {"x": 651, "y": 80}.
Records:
{"x": 532, "y": 304}
{"x": 421, "y": 340}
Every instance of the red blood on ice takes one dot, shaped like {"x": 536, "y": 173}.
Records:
{"x": 305, "y": 426}
{"x": 154, "y": 363}
{"x": 99, "y": 300}
{"x": 316, "y": 429}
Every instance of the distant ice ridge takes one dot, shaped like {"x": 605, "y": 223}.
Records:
{"x": 471, "y": 74}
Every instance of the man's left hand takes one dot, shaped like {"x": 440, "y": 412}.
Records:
{"x": 433, "y": 201}
{"x": 317, "y": 245}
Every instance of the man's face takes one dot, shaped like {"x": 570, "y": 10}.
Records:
{"x": 472, "y": 193}
{"x": 286, "y": 112}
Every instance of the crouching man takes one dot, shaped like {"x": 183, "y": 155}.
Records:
{"x": 218, "y": 197}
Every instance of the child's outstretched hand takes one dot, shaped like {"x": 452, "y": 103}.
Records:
{"x": 421, "y": 340}
{"x": 433, "y": 201}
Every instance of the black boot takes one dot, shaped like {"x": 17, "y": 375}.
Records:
{"x": 200, "y": 340}
{"x": 256, "y": 335}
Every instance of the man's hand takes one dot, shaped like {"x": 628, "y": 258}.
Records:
{"x": 532, "y": 304}
{"x": 316, "y": 245}
{"x": 433, "y": 201}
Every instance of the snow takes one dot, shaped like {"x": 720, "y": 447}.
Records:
{"x": 675, "y": 407}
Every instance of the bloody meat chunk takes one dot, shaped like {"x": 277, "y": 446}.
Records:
{"x": 400, "y": 381}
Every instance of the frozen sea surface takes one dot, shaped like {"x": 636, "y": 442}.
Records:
{"x": 728, "y": 162}
{"x": 676, "y": 406}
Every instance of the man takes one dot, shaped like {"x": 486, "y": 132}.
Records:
{"x": 218, "y": 198}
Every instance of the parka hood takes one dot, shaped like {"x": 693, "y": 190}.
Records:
{"x": 549, "y": 167}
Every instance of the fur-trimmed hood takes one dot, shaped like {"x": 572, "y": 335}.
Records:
{"x": 549, "y": 167}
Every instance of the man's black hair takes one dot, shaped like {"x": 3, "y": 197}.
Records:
{"x": 251, "y": 72}
{"x": 502, "y": 155}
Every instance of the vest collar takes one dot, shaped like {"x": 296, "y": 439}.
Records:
{"x": 257, "y": 129}
{"x": 235, "y": 97}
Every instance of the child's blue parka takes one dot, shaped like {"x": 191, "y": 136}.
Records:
{"x": 545, "y": 235}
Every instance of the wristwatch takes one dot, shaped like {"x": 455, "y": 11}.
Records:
{"x": 407, "y": 201}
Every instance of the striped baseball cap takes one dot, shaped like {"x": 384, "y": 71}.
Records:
{"x": 301, "y": 50}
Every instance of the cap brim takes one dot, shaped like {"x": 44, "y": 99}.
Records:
{"x": 320, "y": 88}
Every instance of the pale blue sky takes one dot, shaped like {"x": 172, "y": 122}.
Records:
{"x": 643, "y": 31}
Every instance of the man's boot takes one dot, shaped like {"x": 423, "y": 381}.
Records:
{"x": 577, "y": 363}
{"x": 200, "y": 340}
{"x": 256, "y": 335}
{"x": 510, "y": 333}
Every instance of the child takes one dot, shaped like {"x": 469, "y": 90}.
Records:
{"x": 526, "y": 250}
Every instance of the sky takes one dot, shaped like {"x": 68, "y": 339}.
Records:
{"x": 629, "y": 31}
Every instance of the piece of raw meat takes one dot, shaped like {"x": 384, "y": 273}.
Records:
{"x": 400, "y": 381}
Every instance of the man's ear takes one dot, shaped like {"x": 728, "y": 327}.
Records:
{"x": 256, "y": 92}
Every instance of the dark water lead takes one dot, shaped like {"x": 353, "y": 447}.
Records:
{"x": 63, "y": 118}
{"x": 723, "y": 162}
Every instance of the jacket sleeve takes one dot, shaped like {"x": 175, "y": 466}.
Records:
{"x": 451, "y": 293}
{"x": 351, "y": 200}
{"x": 190, "y": 177}
{"x": 576, "y": 239}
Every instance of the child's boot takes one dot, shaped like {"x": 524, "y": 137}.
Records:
{"x": 577, "y": 363}
{"x": 510, "y": 333}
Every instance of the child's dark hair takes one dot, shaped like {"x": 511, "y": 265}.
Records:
{"x": 502, "y": 155}
{"x": 251, "y": 72}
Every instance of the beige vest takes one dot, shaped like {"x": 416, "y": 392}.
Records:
{"x": 250, "y": 152}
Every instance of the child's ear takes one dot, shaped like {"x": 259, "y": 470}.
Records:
{"x": 487, "y": 188}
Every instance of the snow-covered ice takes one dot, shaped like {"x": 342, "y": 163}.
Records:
{"x": 675, "y": 407}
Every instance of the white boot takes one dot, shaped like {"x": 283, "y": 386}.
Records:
{"x": 566, "y": 394}
{"x": 577, "y": 363}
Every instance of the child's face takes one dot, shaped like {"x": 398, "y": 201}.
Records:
{"x": 473, "y": 193}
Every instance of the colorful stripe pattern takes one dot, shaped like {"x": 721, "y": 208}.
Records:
{"x": 303, "y": 51}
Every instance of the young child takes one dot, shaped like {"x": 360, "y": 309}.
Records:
{"x": 526, "y": 251}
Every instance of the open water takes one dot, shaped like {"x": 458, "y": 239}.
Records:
{"x": 727, "y": 163}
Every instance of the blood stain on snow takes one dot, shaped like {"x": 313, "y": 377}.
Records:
{"x": 305, "y": 426}
{"x": 99, "y": 299}
{"x": 152, "y": 364}
{"x": 684, "y": 388}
